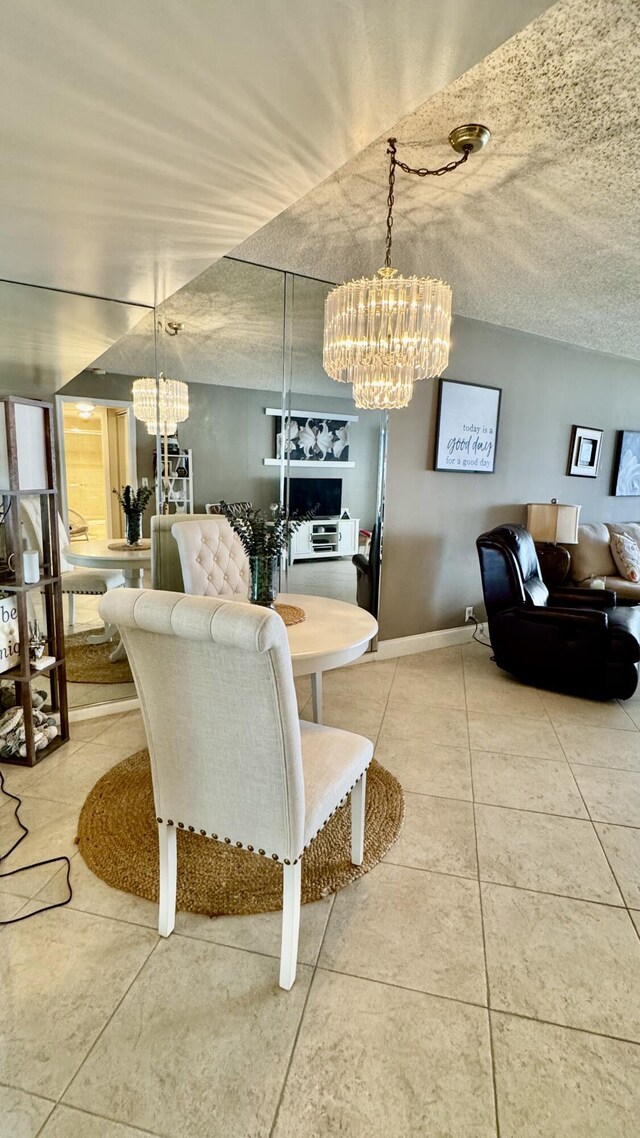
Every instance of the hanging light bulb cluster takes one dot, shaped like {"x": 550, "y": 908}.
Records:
{"x": 383, "y": 334}
{"x": 160, "y": 403}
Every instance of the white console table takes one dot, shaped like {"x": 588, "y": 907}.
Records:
{"x": 325, "y": 537}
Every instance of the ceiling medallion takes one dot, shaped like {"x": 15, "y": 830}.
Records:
{"x": 384, "y": 333}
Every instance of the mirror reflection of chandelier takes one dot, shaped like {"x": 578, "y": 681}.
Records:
{"x": 383, "y": 334}
{"x": 161, "y": 409}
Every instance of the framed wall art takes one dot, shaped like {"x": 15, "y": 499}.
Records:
{"x": 626, "y": 478}
{"x": 312, "y": 436}
{"x": 584, "y": 452}
{"x": 467, "y": 427}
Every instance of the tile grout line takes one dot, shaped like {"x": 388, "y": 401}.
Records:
{"x": 481, "y": 1007}
{"x": 316, "y": 965}
{"x": 566, "y": 1026}
{"x": 597, "y": 835}
{"x": 101, "y": 1117}
{"x": 108, "y": 1021}
{"x": 492, "y": 1057}
{"x": 296, "y": 1037}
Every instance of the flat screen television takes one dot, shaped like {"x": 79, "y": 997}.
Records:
{"x": 322, "y": 496}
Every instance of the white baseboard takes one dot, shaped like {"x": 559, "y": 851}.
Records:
{"x": 387, "y": 650}
{"x": 97, "y": 710}
{"x": 423, "y": 642}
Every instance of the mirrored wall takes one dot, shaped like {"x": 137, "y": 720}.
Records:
{"x": 47, "y": 339}
{"x": 265, "y": 425}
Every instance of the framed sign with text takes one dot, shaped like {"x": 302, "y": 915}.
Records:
{"x": 467, "y": 427}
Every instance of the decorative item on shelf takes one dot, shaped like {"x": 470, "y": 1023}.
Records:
{"x": 28, "y": 483}
{"x": 626, "y": 482}
{"x": 134, "y": 503}
{"x": 382, "y": 334}
{"x": 9, "y": 634}
{"x": 30, "y": 565}
{"x": 467, "y": 427}
{"x": 12, "y": 726}
{"x": 36, "y": 642}
{"x": 265, "y": 537}
{"x": 552, "y": 523}
{"x": 584, "y": 452}
{"x": 161, "y": 403}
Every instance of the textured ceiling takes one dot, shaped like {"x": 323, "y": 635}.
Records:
{"x": 234, "y": 334}
{"x": 541, "y": 232}
{"x": 46, "y": 336}
{"x": 143, "y": 139}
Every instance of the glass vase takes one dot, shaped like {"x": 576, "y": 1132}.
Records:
{"x": 264, "y": 581}
{"x": 133, "y": 527}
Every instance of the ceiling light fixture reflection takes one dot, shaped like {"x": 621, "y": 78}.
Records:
{"x": 85, "y": 410}
{"x": 161, "y": 409}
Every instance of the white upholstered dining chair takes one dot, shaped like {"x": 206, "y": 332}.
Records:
{"x": 230, "y": 759}
{"x": 87, "y": 582}
{"x": 212, "y": 557}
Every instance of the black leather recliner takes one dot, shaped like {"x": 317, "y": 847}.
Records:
{"x": 571, "y": 640}
{"x": 368, "y": 573}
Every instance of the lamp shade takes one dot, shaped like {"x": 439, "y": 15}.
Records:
{"x": 553, "y": 522}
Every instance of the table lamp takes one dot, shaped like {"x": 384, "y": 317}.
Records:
{"x": 551, "y": 523}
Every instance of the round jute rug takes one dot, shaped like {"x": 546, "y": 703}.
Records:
{"x": 118, "y": 839}
{"x": 90, "y": 663}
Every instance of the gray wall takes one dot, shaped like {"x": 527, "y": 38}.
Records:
{"x": 430, "y": 570}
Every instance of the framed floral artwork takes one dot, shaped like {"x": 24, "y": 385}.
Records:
{"x": 627, "y": 468}
{"x": 584, "y": 452}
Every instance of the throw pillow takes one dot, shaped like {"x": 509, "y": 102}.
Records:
{"x": 626, "y": 554}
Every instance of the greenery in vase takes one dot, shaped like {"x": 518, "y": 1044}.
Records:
{"x": 263, "y": 533}
{"x": 134, "y": 501}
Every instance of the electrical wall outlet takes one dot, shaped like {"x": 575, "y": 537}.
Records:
{"x": 468, "y": 614}
{"x": 145, "y": 483}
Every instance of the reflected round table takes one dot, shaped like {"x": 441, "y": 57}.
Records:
{"x": 333, "y": 634}
{"x": 97, "y": 555}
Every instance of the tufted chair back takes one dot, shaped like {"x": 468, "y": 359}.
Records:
{"x": 226, "y": 756}
{"x": 213, "y": 560}
{"x": 510, "y": 569}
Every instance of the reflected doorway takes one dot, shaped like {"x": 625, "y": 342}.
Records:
{"x": 97, "y": 456}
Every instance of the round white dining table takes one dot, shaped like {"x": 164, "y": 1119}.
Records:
{"x": 333, "y": 633}
{"x": 97, "y": 555}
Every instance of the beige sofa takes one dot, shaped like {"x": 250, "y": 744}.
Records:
{"x": 592, "y": 557}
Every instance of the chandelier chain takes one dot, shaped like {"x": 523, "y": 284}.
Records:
{"x": 421, "y": 172}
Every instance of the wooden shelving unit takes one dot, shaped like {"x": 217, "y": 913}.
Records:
{"x": 28, "y": 470}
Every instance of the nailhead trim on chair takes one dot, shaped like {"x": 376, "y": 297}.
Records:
{"x": 274, "y": 856}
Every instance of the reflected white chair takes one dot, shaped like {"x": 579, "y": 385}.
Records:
{"x": 75, "y": 581}
{"x": 78, "y": 525}
{"x": 230, "y": 759}
{"x": 212, "y": 558}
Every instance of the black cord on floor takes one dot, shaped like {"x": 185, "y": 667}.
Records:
{"x": 34, "y": 865}
{"x": 485, "y": 643}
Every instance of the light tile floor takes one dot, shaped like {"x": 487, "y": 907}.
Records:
{"x": 483, "y": 980}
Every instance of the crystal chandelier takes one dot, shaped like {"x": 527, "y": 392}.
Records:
{"x": 381, "y": 334}
{"x": 161, "y": 409}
